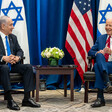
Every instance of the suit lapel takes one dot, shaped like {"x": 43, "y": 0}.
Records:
{"x": 11, "y": 44}
{"x": 2, "y": 46}
{"x": 103, "y": 42}
{"x": 105, "y": 39}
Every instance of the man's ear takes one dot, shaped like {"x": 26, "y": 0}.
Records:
{"x": 2, "y": 26}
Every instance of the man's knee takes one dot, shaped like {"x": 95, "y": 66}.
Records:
{"x": 28, "y": 66}
{"x": 4, "y": 71}
{"x": 99, "y": 55}
{"x": 5, "y": 68}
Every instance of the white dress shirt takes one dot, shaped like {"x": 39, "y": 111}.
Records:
{"x": 4, "y": 41}
{"x": 110, "y": 56}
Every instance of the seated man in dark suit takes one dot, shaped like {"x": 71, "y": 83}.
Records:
{"x": 102, "y": 51}
{"x": 10, "y": 55}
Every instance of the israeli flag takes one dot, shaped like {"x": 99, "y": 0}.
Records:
{"x": 15, "y": 10}
{"x": 104, "y": 12}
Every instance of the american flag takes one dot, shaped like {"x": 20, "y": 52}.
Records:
{"x": 80, "y": 34}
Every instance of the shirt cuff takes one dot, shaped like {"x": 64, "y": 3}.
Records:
{"x": 2, "y": 59}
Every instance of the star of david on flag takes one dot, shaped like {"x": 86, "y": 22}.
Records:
{"x": 15, "y": 10}
{"x": 105, "y": 12}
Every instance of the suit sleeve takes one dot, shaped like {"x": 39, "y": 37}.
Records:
{"x": 94, "y": 49}
{"x": 17, "y": 51}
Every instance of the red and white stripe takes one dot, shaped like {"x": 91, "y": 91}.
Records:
{"x": 79, "y": 38}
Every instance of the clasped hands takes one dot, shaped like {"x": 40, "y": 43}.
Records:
{"x": 105, "y": 50}
{"x": 11, "y": 59}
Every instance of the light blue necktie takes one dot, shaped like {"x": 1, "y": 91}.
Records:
{"x": 8, "y": 50}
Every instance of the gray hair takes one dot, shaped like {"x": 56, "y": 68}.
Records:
{"x": 3, "y": 20}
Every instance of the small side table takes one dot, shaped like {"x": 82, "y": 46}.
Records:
{"x": 64, "y": 70}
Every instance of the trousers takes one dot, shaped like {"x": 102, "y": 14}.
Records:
{"x": 100, "y": 66}
{"x": 25, "y": 69}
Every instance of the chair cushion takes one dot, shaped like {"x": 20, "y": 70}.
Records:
{"x": 15, "y": 77}
{"x": 90, "y": 76}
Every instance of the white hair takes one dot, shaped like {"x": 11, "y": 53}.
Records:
{"x": 3, "y": 20}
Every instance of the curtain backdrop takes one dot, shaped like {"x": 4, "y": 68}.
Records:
{"x": 47, "y": 22}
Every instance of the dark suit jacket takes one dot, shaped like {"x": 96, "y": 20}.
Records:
{"x": 14, "y": 47}
{"x": 99, "y": 45}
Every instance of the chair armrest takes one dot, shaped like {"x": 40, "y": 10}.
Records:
{"x": 22, "y": 60}
{"x": 90, "y": 58}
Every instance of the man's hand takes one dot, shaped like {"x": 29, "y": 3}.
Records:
{"x": 11, "y": 59}
{"x": 7, "y": 59}
{"x": 101, "y": 51}
{"x": 16, "y": 58}
{"x": 107, "y": 50}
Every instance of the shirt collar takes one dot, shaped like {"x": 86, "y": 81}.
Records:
{"x": 2, "y": 34}
{"x": 108, "y": 37}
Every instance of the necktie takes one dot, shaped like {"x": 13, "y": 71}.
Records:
{"x": 8, "y": 50}
{"x": 108, "y": 45}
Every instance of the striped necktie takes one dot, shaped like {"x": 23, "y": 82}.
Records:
{"x": 8, "y": 50}
{"x": 108, "y": 45}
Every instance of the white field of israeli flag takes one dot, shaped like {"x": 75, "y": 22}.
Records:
{"x": 15, "y": 10}
{"x": 104, "y": 12}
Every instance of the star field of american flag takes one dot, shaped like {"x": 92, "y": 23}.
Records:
{"x": 79, "y": 38}
{"x": 83, "y": 5}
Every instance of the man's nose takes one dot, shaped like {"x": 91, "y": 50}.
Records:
{"x": 12, "y": 27}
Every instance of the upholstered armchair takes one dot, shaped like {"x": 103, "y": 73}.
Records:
{"x": 16, "y": 78}
{"x": 90, "y": 76}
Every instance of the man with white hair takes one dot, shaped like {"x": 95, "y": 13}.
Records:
{"x": 102, "y": 52}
